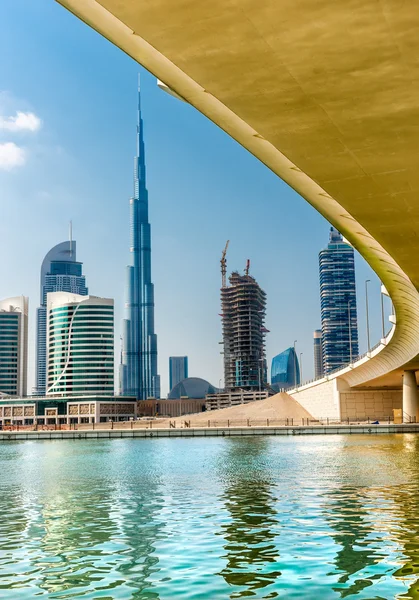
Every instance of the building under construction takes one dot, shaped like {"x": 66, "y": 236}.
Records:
{"x": 243, "y": 319}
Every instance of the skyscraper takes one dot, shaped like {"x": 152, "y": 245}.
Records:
{"x": 80, "y": 344}
{"x": 14, "y": 346}
{"x": 178, "y": 370}
{"x": 243, "y": 315}
{"x": 338, "y": 303}
{"x": 318, "y": 354}
{"x": 138, "y": 370}
{"x": 60, "y": 272}
{"x": 285, "y": 370}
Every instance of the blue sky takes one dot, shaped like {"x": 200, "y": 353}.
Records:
{"x": 72, "y": 158}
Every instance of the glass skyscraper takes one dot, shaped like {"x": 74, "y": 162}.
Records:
{"x": 178, "y": 370}
{"x": 338, "y": 303}
{"x": 138, "y": 370}
{"x": 60, "y": 272}
{"x": 14, "y": 346}
{"x": 80, "y": 345}
{"x": 318, "y": 354}
{"x": 285, "y": 370}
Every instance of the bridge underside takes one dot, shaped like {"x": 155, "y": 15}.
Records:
{"x": 325, "y": 93}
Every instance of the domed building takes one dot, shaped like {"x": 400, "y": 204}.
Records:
{"x": 193, "y": 387}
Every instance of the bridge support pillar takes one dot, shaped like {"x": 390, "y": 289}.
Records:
{"x": 410, "y": 397}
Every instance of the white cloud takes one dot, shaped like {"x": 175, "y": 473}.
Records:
{"x": 11, "y": 156}
{"x": 22, "y": 121}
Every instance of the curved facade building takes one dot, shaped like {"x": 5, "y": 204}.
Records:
{"x": 60, "y": 272}
{"x": 285, "y": 370}
{"x": 80, "y": 345}
{"x": 14, "y": 346}
{"x": 193, "y": 387}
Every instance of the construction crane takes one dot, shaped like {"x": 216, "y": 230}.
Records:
{"x": 223, "y": 262}
{"x": 247, "y": 267}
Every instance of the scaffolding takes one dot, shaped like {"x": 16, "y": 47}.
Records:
{"x": 243, "y": 323}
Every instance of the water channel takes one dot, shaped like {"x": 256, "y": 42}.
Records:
{"x": 262, "y": 517}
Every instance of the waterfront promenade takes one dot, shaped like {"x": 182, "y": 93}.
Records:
{"x": 153, "y": 430}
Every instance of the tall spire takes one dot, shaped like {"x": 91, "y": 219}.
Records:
{"x": 139, "y": 356}
{"x": 139, "y": 120}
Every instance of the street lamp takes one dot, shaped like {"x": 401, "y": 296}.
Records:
{"x": 367, "y": 313}
{"x": 350, "y": 332}
{"x": 301, "y": 367}
{"x": 295, "y": 365}
{"x": 383, "y": 329}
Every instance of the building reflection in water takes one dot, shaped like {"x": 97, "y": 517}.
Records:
{"x": 136, "y": 510}
{"x": 94, "y": 537}
{"x": 347, "y": 514}
{"x": 377, "y": 525}
{"x": 251, "y": 552}
{"x": 406, "y": 501}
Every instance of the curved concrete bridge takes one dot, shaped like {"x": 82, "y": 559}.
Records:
{"x": 325, "y": 93}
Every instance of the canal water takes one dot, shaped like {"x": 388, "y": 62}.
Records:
{"x": 316, "y": 517}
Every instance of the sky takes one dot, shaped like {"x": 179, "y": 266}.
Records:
{"x": 67, "y": 143}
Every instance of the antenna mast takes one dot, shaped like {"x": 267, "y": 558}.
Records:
{"x": 70, "y": 233}
{"x": 223, "y": 263}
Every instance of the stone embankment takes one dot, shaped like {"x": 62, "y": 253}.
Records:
{"x": 186, "y": 432}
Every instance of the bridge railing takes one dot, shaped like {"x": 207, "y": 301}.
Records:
{"x": 331, "y": 374}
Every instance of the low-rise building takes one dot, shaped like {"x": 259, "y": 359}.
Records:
{"x": 170, "y": 407}
{"x": 226, "y": 399}
{"x": 66, "y": 410}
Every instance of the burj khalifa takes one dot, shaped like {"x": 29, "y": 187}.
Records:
{"x": 138, "y": 369}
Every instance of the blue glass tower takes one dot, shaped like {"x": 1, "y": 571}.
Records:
{"x": 138, "y": 374}
{"x": 60, "y": 272}
{"x": 338, "y": 303}
{"x": 285, "y": 370}
{"x": 178, "y": 370}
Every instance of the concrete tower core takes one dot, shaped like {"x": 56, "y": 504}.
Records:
{"x": 243, "y": 316}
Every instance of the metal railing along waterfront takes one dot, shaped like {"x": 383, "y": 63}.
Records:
{"x": 190, "y": 423}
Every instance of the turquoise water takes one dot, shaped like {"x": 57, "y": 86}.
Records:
{"x": 261, "y": 517}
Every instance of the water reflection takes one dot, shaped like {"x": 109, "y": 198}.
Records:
{"x": 137, "y": 514}
{"x": 406, "y": 500}
{"x": 194, "y": 519}
{"x": 251, "y": 550}
{"x": 376, "y": 526}
{"x": 90, "y": 535}
{"x": 348, "y": 516}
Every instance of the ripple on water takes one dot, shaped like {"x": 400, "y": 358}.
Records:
{"x": 321, "y": 517}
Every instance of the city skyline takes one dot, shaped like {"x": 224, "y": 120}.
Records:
{"x": 201, "y": 182}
